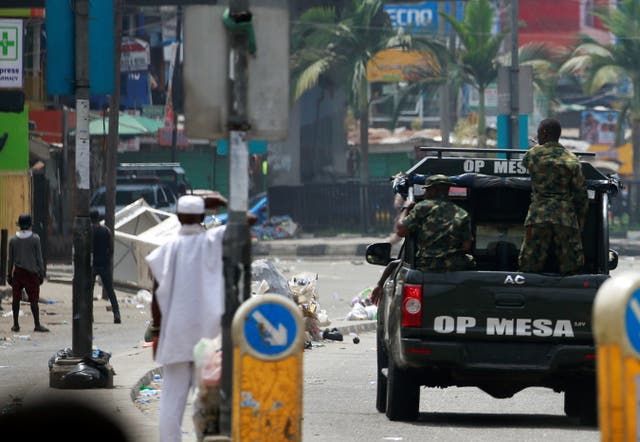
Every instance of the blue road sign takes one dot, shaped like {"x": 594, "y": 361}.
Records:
{"x": 270, "y": 329}
{"x": 632, "y": 320}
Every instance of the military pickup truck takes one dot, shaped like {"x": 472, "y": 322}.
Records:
{"x": 494, "y": 328}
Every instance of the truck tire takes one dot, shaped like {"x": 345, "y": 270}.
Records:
{"x": 403, "y": 395}
{"x": 383, "y": 362}
{"x": 582, "y": 402}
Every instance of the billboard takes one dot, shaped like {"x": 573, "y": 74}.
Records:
{"x": 599, "y": 127}
{"x": 421, "y": 16}
{"x": 14, "y": 140}
{"x": 395, "y": 65}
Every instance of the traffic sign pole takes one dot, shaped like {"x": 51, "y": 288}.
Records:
{"x": 268, "y": 336}
{"x": 616, "y": 325}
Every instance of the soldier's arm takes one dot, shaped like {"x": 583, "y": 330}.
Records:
{"x": 400, "y": 227}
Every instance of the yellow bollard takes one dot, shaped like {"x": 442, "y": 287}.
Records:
{"x": 268, "y": 337}
{"x": 616, "y": 326}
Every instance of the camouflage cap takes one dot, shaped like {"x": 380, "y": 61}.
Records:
{"x": 437, "y": 179}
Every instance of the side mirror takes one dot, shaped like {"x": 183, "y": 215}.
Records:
{"x": 613, "y": 259}
{"x": 379, "y": 253}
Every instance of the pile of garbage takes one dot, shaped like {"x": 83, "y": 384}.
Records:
{"x": 277, "y": 227}
{"x": 362, "y": 308}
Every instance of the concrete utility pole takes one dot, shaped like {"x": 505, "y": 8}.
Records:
{"x": 114, "y": 136}
{"x": 515, "y": 72}
{"x": 82, "y": 299}
{"x": 445, "y": 88}
{"x": 236, "y": 244}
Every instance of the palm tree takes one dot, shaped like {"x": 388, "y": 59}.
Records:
{"x": 600, "y": 65}
{"x": 478, "y": 56}
{"x": 339, "y": 44}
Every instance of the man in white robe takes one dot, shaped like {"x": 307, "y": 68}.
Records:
{"x": 188, "y": 303}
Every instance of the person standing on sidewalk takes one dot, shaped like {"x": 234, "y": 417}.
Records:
{"x": 26, "y": 271}
{"x": 187, "y": 303}
{"x": 101, "y": 265}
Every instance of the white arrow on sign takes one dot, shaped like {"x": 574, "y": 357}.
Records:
{"x": 276, "y": 337}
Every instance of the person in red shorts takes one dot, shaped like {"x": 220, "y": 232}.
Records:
{"x": 26, "y": 271}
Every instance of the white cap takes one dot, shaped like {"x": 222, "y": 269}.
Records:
{"x": 191, "y": 204}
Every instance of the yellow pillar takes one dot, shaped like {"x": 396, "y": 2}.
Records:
{"x": 268, "y": 337}
{"x": 616, "y": 325}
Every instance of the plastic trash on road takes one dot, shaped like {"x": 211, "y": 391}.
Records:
{"x": 207, "y": 355}
{"x": 362, "y": 308}
{"x": 305, "y": 294}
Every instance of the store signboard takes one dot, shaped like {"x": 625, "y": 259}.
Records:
{"x": 11, "y": 69}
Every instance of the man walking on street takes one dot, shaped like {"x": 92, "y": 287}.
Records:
{"x": 187, "y": 303}
{"x": 25, "y": 271}
{"x": 558, "y": 208}
{"x": 102, "y": 252}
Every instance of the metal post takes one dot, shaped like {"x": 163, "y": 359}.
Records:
{"x": 445, "y": 90}
{"x": 176, "y": 66}
{"x": 82, "y": 299}
{"x": 114, "y": 136}
{"x": 513, "y": 84}
{"x": 236, "y": 245}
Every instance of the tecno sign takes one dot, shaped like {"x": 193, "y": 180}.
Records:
{"x": 419, "y": 15}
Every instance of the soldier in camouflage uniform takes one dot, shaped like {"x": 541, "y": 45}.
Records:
{"x": 559, "y": 204}
{"x": 442, "y": 229}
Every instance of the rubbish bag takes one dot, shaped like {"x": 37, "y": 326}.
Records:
{"x": 208, "y": 362}
{"x": 358, "y": 312}
{"x": 85, "y": 375}
{"x": 60, "y": 354}
{"x": 276, "y": 282}
{"x": 208, "y": 372}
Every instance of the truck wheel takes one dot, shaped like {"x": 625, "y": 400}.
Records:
{"x": 403, "y": 395}
{"x": 582, "y": 402}
{"x": 383, "y": 362}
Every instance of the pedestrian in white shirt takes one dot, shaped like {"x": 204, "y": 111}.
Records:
{"x": 187, "y": 303}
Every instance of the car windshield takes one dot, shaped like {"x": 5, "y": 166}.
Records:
{"x": 124, "y": 197}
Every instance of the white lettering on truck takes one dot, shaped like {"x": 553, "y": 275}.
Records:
{"x": 506, "y": 327}
{"x": 512, "y": 167}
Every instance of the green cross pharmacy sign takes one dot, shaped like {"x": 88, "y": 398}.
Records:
{"x": 11, "y": 69}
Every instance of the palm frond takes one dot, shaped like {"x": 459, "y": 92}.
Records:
{"x": 308, "y": 78}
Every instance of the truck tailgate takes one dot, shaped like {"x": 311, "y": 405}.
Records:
{"x": 505, "y": 306}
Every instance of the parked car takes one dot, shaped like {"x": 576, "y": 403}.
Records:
{"x": 157, "y": 195}
{"x": 171, "y": 174}
{"x": 258, "y": 205}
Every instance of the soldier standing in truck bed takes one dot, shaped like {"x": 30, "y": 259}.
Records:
{"x": 559, "y": 204}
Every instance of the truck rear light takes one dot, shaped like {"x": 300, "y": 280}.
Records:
{"x": 590, "y": 356}
{"x": 412, "y": 305}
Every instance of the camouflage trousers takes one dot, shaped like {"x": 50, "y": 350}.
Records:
{"x": 539, "y": 241}
{"x": 449, "y": 263}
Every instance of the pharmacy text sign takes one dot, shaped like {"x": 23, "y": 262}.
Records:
{"x": 10, "y": 54}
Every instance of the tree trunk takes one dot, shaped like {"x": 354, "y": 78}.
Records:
{"x": 482, "y": 132}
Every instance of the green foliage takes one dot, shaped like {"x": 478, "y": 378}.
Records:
{"x": 599, "y": 65}
{"x": 478, "y": 57}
